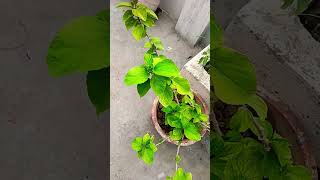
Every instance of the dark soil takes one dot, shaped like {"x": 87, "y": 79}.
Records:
{"x": 311, "y": 19}
{"x": 161, "y": 120}
{"x": 223, "y": 113}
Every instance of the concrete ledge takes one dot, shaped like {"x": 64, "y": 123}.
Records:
{"x": 286, "y": 57}
{"x": 198, "y": 77}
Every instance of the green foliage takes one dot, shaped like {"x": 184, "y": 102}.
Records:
{"x": 180, "y": 175}
{"x": 82, "y": 45}
{"x": 300, "y": 5}
{"x": 185, "y": 118}
{"x": 264, "y": 154}
{"x": 205, "y": 59}
{"x": 98, "y": 89}
{"x": 145, "y": 148}
{"x": 233, "y": 76}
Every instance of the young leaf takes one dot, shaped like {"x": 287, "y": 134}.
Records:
{"x": 192, "y": 132}
{"x": 98, "y": 88}
{"x": 149, "y": 22}
{"x": 176, "y": 134}
{"x": 158, "y": 59}
{"x": 141, "y": 13}
{"x": 298, "y": 173}
{"x": 216, "y": 34}
{"x": 242, "y": 120}
{"x": 282, "y": 149}
{"x": 143, "y": 88}
{"x": 80, "y": 46}
{"x": 131, "y": 22}
{"x": 136, "y": 75}
{"x": 233, "y": 76}
{"x": 128, "y": 14}
{"x": 166, "y": 68}
{"x": 178, "y": 158}
{"x": 124, "y": 4}
{"x": 148, "y": 59}
{"x": 158, "y": 84}
{"x": 157, "y": 43}
{"x": 182, "y": 85}
{"x": 139, "y": 32}
{"x": 166, "y": 97}
{"x": 147, "y": 156}
{"x": 259, "y": 106}
{"x": 137, "y": 144}
{"x": 151, "y": 13}
{"x": 173, "y": 121}
{"x": 181, "y": 175}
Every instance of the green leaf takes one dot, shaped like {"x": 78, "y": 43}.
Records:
{"x": 149, "y": 22}
{"x": 216, "y": 34}
{"x": 148, "y": 59}
{"x": 128, "y": 14}
{"x": 282, "y": 149}
{"x": 176, "y": 134}
{"x": 158, "y": 59}
{"x": 80, "y": 46}
{"x": 192, "y": 132}
{"x": 286, "y": 4}
{"x": 173, "y": 121}
{"x": 141, "y": 13}
{"x": 182, "y": 85}
{"x": 146, "y": 138}
{"x": 181, "y": 175}
{"x": 259, "y": 106}
{"x": 302, "y": 5}
{"x": 147, "y": 45}
{"x": 233, "y": 76}
{"x": 136, "y": 75}
{"x": 139, "y": 32}
{"x": 178, "y": 158}
{"x": 151, "y": 13}
{"x": 147, "y": 156}
{"x": 298, "y": 173}
{"x": 98, "y": 88}
{"x": 158, "y": 84}
{"x": 166, "y": 97}
{"x": 157, "y": 43}
{"x": 242, "y": 120}
{"x": 166, "y": 68}
{"x": 137, "y": 144}
{"x": 131, "y": 22}
{"x": 143, "y": 88}
{"x": 124, "y": 4}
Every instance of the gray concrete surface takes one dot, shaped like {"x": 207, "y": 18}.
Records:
{"x": 286, "y": 59}
{"x": 173, "y": 8}
{"x": 194, "y": 20}
{"x": 131, "y": 115}
{"x": 48, "y": 128}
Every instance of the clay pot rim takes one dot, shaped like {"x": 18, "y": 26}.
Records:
{"x": 301, "y": 139}
{"x": 154, "y": 119}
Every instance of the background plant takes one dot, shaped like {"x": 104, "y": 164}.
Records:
{"x": 83, "y": 46}
{"x": 159, "y": 73}
{"x": 235, "y": 154}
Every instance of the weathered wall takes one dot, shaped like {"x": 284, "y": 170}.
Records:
{"x": 173, "y": 8}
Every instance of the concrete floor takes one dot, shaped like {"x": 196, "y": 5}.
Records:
{"x": 131, "y": 115}
{"x": 48, "y": 128}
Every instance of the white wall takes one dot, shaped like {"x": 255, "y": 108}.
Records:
{"x": 172, "y": 7}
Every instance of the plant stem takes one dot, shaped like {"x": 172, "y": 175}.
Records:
{"x": 206, "y": 126}
{"x": 312, "y": 15}
{"x": 163, "y": 140}
{"x": 176, "y": 97}
{"x": 263, "y": 137}
{"x": 215, "y": 123}
{"x": 178, "y": 149}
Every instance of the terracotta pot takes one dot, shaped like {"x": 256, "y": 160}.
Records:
{"x": 165, "y": 136}
{"x": 286, "y": 123}
{"x": 152, "y": 4}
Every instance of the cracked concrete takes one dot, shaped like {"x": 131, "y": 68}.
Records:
{"x": 131, "y": 115}
{"x": 48, "y": 127}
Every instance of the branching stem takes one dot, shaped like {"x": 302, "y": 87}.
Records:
{"x": 163, "y": 140}
{"x": 178, "y": 149}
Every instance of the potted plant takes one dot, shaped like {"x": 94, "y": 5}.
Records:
{"x": 179, "y": 115}
{"x": 249, "y": 141}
